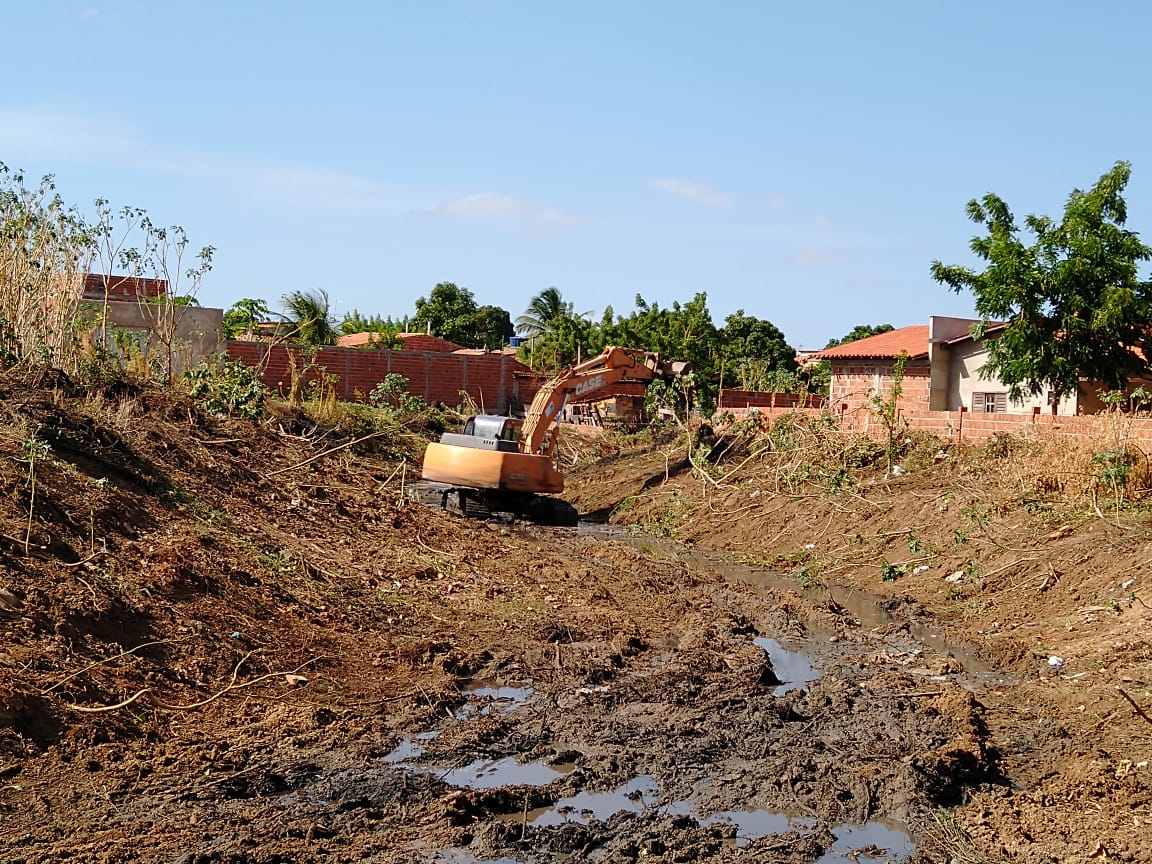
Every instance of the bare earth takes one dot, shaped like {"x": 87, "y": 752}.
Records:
{"x": 202, "y": 660}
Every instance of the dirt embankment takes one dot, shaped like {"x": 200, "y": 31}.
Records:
{"x": 1013, "y": 550}
{"x": 219, "y": 645}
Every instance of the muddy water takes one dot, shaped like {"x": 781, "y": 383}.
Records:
{"x": 682, "y": 749}
{"x": 641, "y": 799}
{"x": 864, "y": 607}
{"x": 793, "y": 668}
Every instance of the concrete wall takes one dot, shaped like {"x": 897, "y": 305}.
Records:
{"x": 941, "y": 330}
{"x": 966, "y": 360}
{"x": 191, "y": 333}
{"x": 955, "y": 376}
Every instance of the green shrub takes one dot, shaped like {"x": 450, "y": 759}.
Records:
{"x": 229, "y": 388}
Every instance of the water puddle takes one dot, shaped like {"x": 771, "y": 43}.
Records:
{"x": 481, "y": 700}
{"x": 754, "y": 824}
{"x": 455, "y": 856}
{"x": 792, "y": 668}
{"x": 862, "y": 606}
{"x": 488, "y": 700}
{"x": 408, "y": 749}
{"x": 635, "y": 796}
{"x": 494, "y": 773}
{"x": 871, "y": 843}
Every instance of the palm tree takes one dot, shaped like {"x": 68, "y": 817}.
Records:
{"x": 543, "y": 311}
{"x": 308, "y": 312}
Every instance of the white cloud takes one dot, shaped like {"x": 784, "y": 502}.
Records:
{"x": 47, "y": 137}
{"x": 89, "y": 12}
{"x": 697, "y": 193}
{"x": 815, "y": 258}
{"x": 42, "y": 136}
{"x": 488, "y": 205}
{"x": 294, "y": 185}
{"x": 53, "y": 136}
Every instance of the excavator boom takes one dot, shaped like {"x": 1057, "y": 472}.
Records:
{"x": 611, "y": 365}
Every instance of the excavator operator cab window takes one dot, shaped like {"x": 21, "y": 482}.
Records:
{"x": 491, "y": 426}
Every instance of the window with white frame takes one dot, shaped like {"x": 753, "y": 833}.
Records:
{"x": 989, "y": 403}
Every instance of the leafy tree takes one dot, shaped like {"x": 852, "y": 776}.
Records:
{"x": 386, "y": 330}
{"x": 681, "y": 332}
{"x": 451, "y": 313}
{"x": 354, "y": 322}
{"x": 310, "y": 316}
{"x": 752, "y": 348}
{"x": 569, "y": 339}
{"x": 860, "y": 331}
{"x": 243, "y": 316}
{"x": 1072, "y": 298}
{"x": 493, "y": 327}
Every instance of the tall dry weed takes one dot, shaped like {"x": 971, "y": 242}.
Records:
{"x": 1102, "y": 463}
{"x": 44, "y": 253}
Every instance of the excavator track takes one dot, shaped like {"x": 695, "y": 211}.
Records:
{"x": 493, "y": 503}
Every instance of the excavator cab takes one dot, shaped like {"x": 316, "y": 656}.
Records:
{"x": 487, "y": 432}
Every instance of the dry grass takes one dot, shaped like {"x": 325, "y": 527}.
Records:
{"x": 43, "y": 256}
{"x": 794, "y": 452}
{"x": 1104, "y": 466}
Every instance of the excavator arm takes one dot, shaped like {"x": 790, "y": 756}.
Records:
{"x": 608, "y": 367}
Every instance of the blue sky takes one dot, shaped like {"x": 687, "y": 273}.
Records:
{"x": 802, "y": 161}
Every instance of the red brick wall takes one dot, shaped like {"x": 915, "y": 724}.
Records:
{"x": 495, "y": 381}
{"x": 423, "y": 342}
{"x": 122, "y": 287}
{"x": 855, "y": 381}
{"x": 757, "y": 399}
{"x": 965, "y": 426}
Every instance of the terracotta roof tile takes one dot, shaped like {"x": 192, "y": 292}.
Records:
{"x": 912, "y": 339}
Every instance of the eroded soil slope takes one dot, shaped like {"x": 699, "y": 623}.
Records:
{"x": 232, "y": 642}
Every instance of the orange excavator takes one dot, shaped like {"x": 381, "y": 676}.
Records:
{"x": 504, "y": 464}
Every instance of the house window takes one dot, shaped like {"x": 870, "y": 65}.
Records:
{"x": 989, "y": 403}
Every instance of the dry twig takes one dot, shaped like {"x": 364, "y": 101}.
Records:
{"x": 160, "y": 703}
{"x": 63, "y": 681}
{"x": 327, "y": 452}
{"x": 1132, "y": 702}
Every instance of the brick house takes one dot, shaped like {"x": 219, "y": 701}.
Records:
{"x": 942, "y": 373}
{"x": 863, "y": 369}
